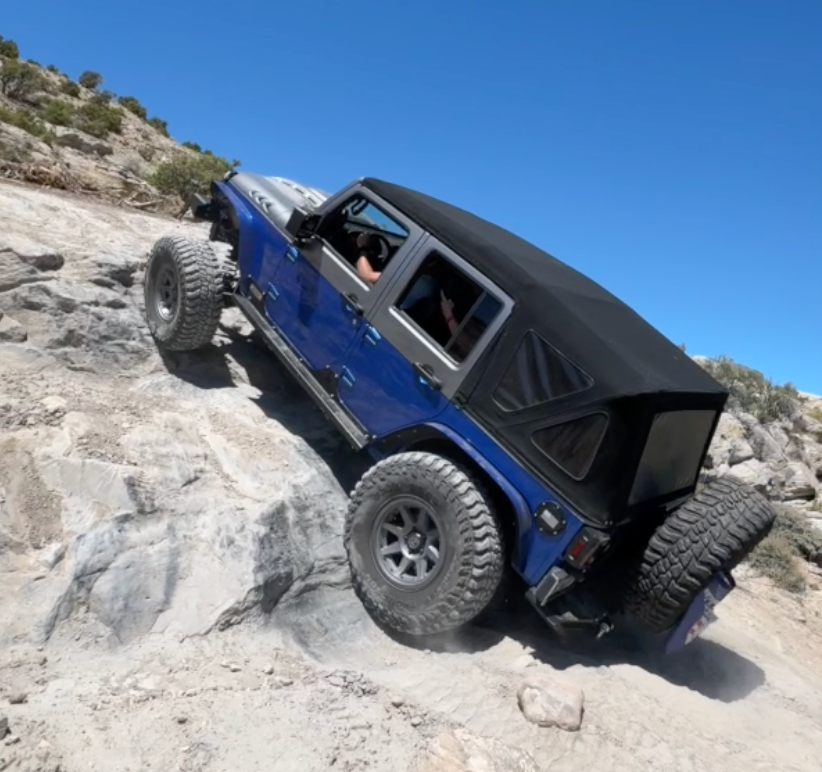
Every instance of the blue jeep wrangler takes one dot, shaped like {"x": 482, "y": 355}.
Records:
{"x": 518, "y": 414}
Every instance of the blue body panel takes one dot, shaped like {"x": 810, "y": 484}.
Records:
{"x": 380, "y": 388}
{"x": 311, "y": 313}
{"x": 535, "y": 552}
{"x": 262, "y": 246}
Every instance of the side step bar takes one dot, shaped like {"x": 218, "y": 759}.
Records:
{"x": 354, "y": 433}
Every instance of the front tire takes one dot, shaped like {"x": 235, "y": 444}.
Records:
{"x": 712, "y": 532}
{"x": 425, "y": 549}
{"x": 183, "y": 293}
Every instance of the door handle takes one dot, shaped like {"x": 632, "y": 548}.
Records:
{"x": 292, "y": 254}
{"x": 426, "y": 372}
{"x": 351, "y": 299}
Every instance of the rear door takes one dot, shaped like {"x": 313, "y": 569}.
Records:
{"x": 317, "y": 298}
{"x": 414, "y": 349}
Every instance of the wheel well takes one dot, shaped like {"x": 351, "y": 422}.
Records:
{"x": 500, "y": 501}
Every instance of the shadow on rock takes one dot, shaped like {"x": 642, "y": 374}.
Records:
{"x": 704, "y": 666}
{"x": 281, "y": 398}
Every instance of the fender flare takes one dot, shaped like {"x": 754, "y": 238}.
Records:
{"x": 436, "y": 431}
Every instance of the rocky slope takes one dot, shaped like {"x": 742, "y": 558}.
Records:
{"x": 174, "y": 589}
{"x": 57, "y": 133}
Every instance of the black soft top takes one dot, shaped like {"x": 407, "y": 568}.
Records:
{"x": 595, "y": 329}
{"x": 662, "y": 408}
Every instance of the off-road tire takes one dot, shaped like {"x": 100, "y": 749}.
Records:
{"x": 199, "y": 305}
{"x": 473, "y": 559}
{"x": 713, "y": 531}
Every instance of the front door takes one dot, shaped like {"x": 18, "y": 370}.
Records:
{"x": 425, "y": 333}
{"x": 317, "y": 298}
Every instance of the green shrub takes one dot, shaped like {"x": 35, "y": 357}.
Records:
{"x": 23, "y": 119}
{"x": 160, "y": 125}
{"x": 805, "y": 540}
{"x": 99, "y": 120}
{"x": 20, "y": 81}
{"x": 103, "y": 97}
{"x": 70, "y": 88}
{"x": 90, "y": 80}
{"x": 58, "y": 113}
{"x": 53, "y": 68}
{"x": 185, "y": 175}
{"x": 751, "y": 392}
{"x": 16, "y": 152}
{"x": 133, "y": 106}
{"x": 8, "y": 48}
{"x": 193, "y": 146}
{"x": 774, "y": 558}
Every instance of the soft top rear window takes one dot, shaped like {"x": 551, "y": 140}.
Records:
{"x": 538, "y": 373}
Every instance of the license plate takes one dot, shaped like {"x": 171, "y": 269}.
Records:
{"x": 700, "y": 615}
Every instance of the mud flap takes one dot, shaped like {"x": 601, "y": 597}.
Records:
{"x": 700, "y": 614}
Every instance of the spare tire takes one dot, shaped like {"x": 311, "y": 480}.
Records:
{"x": 712, "y": 532}
{"x": 183, "y": 293}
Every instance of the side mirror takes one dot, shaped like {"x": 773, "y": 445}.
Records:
{"x": 301, "y": 225}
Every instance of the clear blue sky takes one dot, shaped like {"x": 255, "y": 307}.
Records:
{"x": 670, "y": 150}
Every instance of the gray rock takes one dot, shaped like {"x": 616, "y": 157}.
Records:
{"x": 547, "y": 701}
{"x": 17, "y": 698}
{"x": 740, "y": 452}
{"x": 12, "y": 331}
{"x": 82, "y": 142}
{"x": 113, "y": 270}
{"x": 797, "y": 482}
{"x": 4, "y": 726}
{"x": 463, "y": 751}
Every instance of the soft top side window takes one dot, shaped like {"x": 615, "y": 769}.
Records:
{"x": 450, "y": 308}
{"x": 538, "y": 373}
{"x": 357, "y": 228}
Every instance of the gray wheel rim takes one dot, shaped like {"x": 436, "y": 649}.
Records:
{"x": 406, "y": 543}
{"x": 166, "y": 291}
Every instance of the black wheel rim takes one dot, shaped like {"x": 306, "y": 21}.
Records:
{"x": 406, "y": 543}
{"x": 166, "y": 291}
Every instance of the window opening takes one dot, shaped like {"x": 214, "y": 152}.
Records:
{"x": 363, "y": 235}
{"x": 449, "y": 307}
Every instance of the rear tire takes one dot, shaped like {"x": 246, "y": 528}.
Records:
{"x": 714, "y": 531}
{"x": 450, "y": 575}
{"x": 183, "y": 293}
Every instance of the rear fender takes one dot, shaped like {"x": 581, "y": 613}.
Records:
{"x": 409, "y": 438}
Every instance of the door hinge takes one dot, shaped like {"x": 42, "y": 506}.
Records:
{"x": 372, "y": 337}
{"x": 273, "y": 292}
{"x": 347, "y": 377}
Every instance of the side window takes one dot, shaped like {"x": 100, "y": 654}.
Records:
{"x": 538, "y": 373}
{"x": 360, "y": 229}
{"x": 447, "y": 306}
{"x": 573, "y": 445}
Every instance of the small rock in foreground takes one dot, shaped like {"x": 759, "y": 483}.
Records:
{"x": 4, "y": 726}
{"x": 17, "y": 698}
{"x": 462, "y": 751}
{"x": 547, "y": 701}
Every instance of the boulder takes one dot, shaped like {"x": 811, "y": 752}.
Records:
{"x": 548, "y": 701}
{"x": 81, "y": 142}
{"x": 796, "y": 482}
{"x": 12, "y": 331}
{"x": 740, "y": 452}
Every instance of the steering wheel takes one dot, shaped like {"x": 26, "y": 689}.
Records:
{"x": 385, "y": 246}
